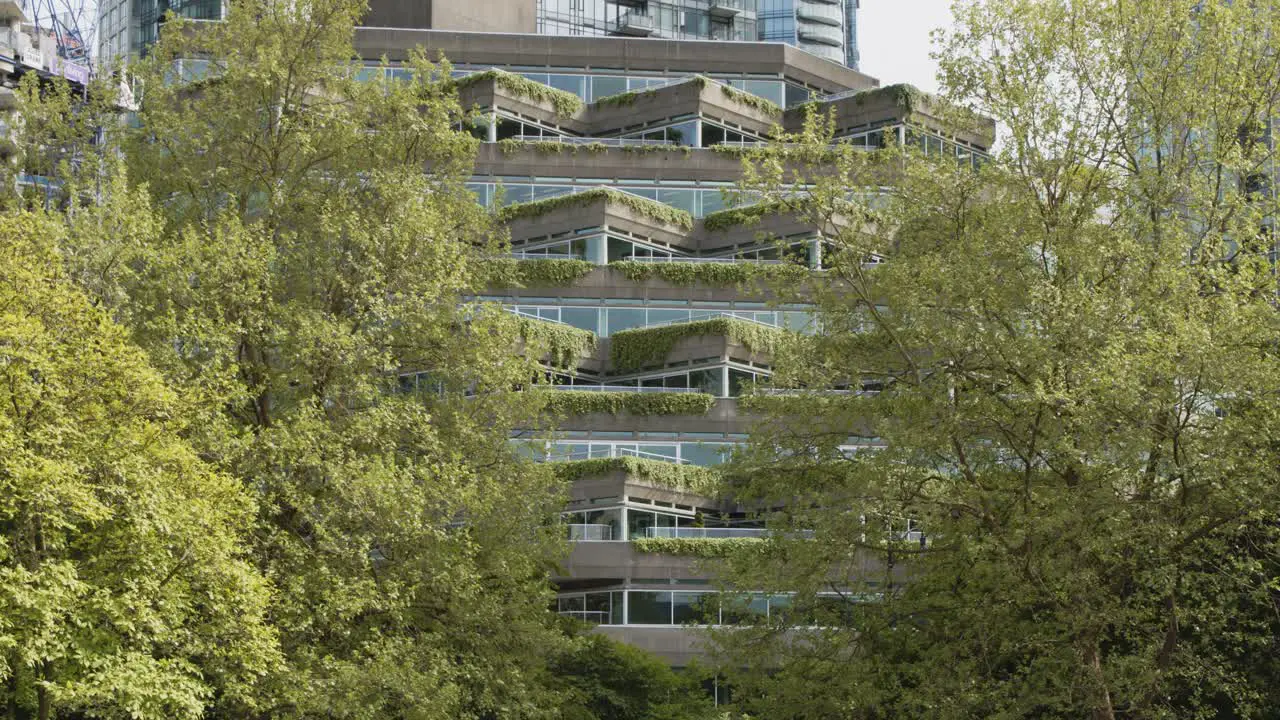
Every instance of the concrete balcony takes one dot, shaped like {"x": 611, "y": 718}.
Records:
{"x": 620, "y": 561}
{"x": 614, "y": 210}
{"x": 722, "y": 418}
{"x": 676, "y": 163}
{"x": 634, "y": 24}
{"x": 678, "y": 646}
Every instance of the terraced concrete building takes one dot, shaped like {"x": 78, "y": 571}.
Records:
{"x": 612, "y": 158}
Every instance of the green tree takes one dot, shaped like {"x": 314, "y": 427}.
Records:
{"x": 1076, "y": 355}
{"x": 288, "y": 232}
{"x": 609, "y": 679}
{"x": 125, "y": 588}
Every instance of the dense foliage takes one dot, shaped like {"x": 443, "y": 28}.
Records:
{"x": 125, "y": 586}
{"x": 563, "y": 272}
{"x": 609, "y": 679}
{"x": 741, "y": 548}
{"x": 562, "y": 345}
{"x": 582, "y": 402}
{"x": 1075, "y": 352}
{"x": 327, "y": 547}
{"x": 735, "y": 274}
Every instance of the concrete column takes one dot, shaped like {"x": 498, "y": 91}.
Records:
{"x": 697, "y": 133}
{"x": 815, "y": 253}
{"x": 598, "y": 250}
{"x": 493, "y": 127}
{"x": 724, "y": 381}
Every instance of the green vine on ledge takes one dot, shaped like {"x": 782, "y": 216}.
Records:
{"x": 751, "y": 214}
{"x": 712, "y": 274}
{"x": 563, "y": 345}
{"x": 585, "y": 402}
{"x": 686, "y": 478}
{"x": 557, "y": 273}
{"x": 631, "y": 350}
{"x": 564, "y": 103}
{"x": 755, "y": 102}
{"x": 511, "y": 146}
{"x": 644, "y": 206}
{"x": 699, "y": 547}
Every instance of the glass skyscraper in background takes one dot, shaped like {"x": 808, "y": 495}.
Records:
{"x": 825, "y": 28}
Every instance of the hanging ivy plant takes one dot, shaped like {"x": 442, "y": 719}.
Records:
{"x": 686, "y": 478}
{"x": 563, "y": 344}
{"x": 755, "y": 102}
{"x": 584, "y": 402}
{"x": 561, "y": 272}
{"x": 713, "y": 274}
{"x": 644, "y": 206}
{"x": 631, "y": 350}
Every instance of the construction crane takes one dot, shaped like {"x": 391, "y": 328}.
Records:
{"x": 69, "y": 22}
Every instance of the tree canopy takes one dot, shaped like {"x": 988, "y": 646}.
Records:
{"x": 1069, "y": 371}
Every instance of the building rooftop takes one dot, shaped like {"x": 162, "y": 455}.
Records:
{"x": 612, "y": 53}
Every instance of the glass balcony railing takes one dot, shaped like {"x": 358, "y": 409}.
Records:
{"x": 595, "y": 617}
{"x": 623, "y": 388}
{"x": 589, "y": 532}
{"x": 705, "y": 533}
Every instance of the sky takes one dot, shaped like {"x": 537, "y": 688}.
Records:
{"x": 893, "y": 37}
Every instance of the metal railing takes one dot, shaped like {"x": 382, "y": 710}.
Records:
{"x": 571, "y": 140}
{"x": 710, "y": 315}
{"x": 588, "y": 532}
{"x": 599, "y": 617}
{"x": 722, "y": 260}
{"x": 712, "y": 533}
{"x": 615, "y": 452}
{"x": 623, "y": 388}
{"x": 544, "y": 256}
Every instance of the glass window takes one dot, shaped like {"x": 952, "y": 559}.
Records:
{"x": 739, "y": 380}
{"x": 770, "y": 90}
{"x": 687, "y": 608}
{"x": 597, "y": 607}
{"x": 736, "y": 609}
{"x": 620, "y": 249}
{"x": 712, "y": 135}
{"x": 796, "y": 94}
{"x": 583, "y": 318}
{"x": 685, "y": 199}
{"x": 708, "y": 381}
{"x": 704, "y": 454}
{"x": 575, "y": 84}
{"x": 604, "y": 86}
{"x": 658, "y": 315}
{"x": 624, "y": 319}
{"x": 649, "y": 607}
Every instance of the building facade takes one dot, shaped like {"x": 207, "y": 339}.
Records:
{"x": 614, "y": 172}
{"x": 826, "y": 28}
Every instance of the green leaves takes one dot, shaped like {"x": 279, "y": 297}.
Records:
{"x": 582, "y": 402}
{"x": 125, "y": 587}
{"x": 713, "y": 274}
{"x": 1058, "y": 341}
